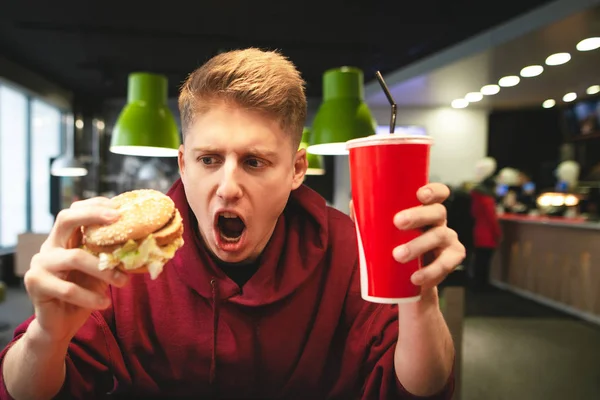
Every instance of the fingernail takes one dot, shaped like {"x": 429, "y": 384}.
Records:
{"x": 103, "y": 301}
{"x": 427, "y": 194}
{"x": 418, "y": 278}
{"x": 400, "y": 253}
{"x": 402, "y": 219}
{"x": 111, "y": 214}
{"x": 119, "y": 278}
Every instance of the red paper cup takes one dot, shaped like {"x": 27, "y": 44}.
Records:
{"x": 386, "y": 172}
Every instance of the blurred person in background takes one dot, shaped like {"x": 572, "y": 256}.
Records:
{"x": 567, "y": 176}
{"x": 527, "y": 193}
{"x": 486, "y": 229}
{"x": 509, "y": 179}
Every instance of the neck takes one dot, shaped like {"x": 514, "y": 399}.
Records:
{"x": 222, "y": 263}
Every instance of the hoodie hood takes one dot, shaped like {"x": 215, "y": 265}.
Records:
{"x": 296, "y": 249}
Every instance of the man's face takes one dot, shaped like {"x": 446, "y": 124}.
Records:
{"x": 238, "y": 168}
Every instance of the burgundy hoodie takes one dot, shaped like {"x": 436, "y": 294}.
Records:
{"x": 298, "y": 329}
{"x": 486, "y": 230}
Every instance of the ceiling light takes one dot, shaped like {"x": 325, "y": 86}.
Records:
{"x": 473, "y": 97}
{"x": 589, "y": 44}
{"x": 593, "y": 89}
{"x": 67, "y": 164}
{"x": 146, "y": 127}
{"x": 343, "y": 114}
{"x": 558, "y": 59}
{"x": 531, "y": 71}
{"x": 489, "y": 90}
{"x": 509, "y": 81}
{"x": 549, "y": 103}
{"x": 459, "y": 103}
{"x": 569, "y": 97}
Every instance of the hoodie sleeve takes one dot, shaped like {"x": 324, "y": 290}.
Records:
{"x": 368, "y": 357}
{"x": 93, "y": 362}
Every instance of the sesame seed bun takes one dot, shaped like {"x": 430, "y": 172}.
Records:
{"x": 143, "y": 213}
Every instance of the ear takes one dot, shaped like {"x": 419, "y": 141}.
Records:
{"x": 300, "y": 167}
{"x": 181, "y": 162}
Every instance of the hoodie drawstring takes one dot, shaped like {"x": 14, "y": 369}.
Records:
{"x": 257, "y": 354}
{"x": 215, "y": 307}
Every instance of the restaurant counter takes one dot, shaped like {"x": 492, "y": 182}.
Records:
{"x": 552, "y": 260}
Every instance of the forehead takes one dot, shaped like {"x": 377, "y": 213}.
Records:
{"x": 228, "y": 126}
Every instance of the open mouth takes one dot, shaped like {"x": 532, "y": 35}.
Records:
{"x": 230, "y": 226}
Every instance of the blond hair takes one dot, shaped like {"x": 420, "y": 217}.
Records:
{"x": 262, "y": 81}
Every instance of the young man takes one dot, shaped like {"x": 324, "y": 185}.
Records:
{"x": 262, "y": 301}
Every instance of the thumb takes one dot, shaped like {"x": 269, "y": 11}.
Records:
{"x": 352, "y": 211}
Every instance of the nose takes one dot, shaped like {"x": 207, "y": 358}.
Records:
{"x": 229, "y": 188}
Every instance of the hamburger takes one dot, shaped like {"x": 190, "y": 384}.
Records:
{"x": 146, "y": 235}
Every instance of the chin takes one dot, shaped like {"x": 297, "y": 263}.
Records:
{"x": 229, "y": 257}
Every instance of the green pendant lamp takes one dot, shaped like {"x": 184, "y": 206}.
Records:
{"x": 316, "y": 165}
{"x": 343, "y": 115}
{"x": 146, "y": 126}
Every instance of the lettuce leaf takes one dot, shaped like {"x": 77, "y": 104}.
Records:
{"x": 133, "y": 256}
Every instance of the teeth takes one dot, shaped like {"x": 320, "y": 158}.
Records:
{"x": 230, "y": 240}
{"x": 228, "y": 215}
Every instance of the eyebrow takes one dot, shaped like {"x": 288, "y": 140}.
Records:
{"x": 249, "y": 151}
{"x": 263, "y": 153}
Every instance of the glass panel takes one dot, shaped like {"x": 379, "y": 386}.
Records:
{"x": 13, "y": 165}
{"x": 45, "y": 143}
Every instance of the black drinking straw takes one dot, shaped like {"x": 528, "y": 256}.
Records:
{"x": 390, "y": 99}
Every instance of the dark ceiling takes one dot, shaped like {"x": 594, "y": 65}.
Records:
{"x": 89, "y": 47}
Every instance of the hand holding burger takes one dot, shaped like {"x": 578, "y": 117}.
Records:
{"x": 134, "y": 232}
{"x": 146, "y": 235}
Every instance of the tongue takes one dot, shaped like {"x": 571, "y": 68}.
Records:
{"x": 231, "y": 227}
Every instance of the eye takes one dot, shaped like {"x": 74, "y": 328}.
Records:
{"x": 207, "y": 160}
{"x": 255, "y": 163}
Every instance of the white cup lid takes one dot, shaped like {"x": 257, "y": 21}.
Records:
{"x": 391, "y": 138}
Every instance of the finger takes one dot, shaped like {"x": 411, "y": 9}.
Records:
{"x": 435, "y": 238}
{"x": 75, "y": 240}
{"x": 433, "y": 193}
{"x": 63, "y": 260}
{"x": 76, "y": 237}
{"x": 351, "y": 206}
{"x": 42, "y": 284}
{"x": 70, "y": 219}
{"x": 437, "y": 271}
{"x": 421, "y": 217}
{"x": 93, "y": 202}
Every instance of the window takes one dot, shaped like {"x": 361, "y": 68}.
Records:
{"x": 13, "y": 165}
{"x": 45, "y": 143}
{"x": 30, "y": 135}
